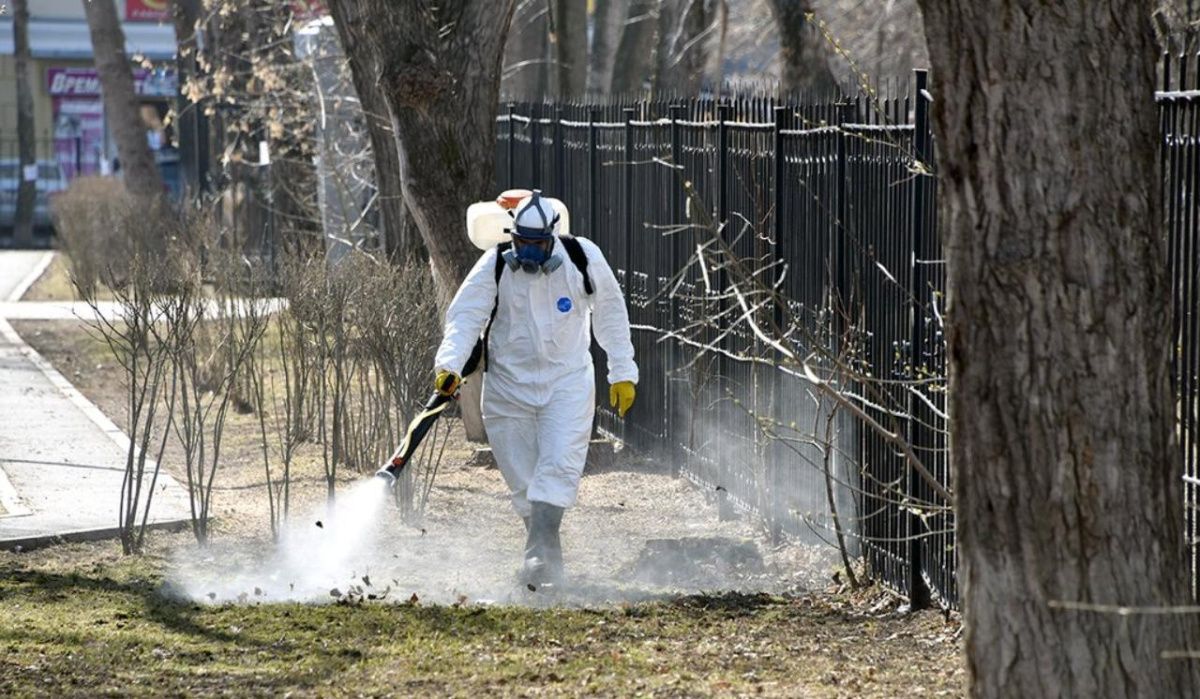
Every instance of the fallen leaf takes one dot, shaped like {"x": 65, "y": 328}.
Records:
{"x": 335, "y": 592}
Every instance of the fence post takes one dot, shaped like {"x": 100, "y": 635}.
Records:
{"x": 535, "y": 145}
{"x": 725, "y": 509}
{"x": 593, "y": 176}
{"x": 676, "y": 194}
{"x": 846, "y": 112}
{"x": 778, "y": 504}
{"x": 512, "y": 140}
{"x": 918, "y": 429}
{"x": 723, "y": 112}
{"x": 628, "y": 234}
{"x": 559, "y": 190}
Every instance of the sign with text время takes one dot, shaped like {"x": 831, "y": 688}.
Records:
{"x": 85, "y": 82}
{"x": 147, "y": 10}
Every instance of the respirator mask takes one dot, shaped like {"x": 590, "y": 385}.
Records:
{"x": 534, "y": 224}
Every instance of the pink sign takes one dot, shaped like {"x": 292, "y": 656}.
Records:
{"x": 85, "y": 82}
{"x": 147, "y": 10}
{"x": 79, "y": 135}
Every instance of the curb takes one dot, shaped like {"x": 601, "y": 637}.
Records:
{"x": 9, "y": 500}
{"x": 98, "y": 418}
{"x": 37, "y": 541}
{"x": 31, "y": 278}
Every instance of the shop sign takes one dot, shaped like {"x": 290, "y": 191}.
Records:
{"x": 147, "y": 10}
{"x": 85, "y": 82}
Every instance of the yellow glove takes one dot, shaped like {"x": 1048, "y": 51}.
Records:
{"x": 447, "y": 383}
{"x": 621, "y": 395}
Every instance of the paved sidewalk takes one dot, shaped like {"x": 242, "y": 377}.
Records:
{"x": 62, "y": 462}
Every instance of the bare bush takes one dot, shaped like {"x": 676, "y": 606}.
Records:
{"x": 217, "y": 335}
{"x": 141, "y": 344}
{"x": 92, "y": 221}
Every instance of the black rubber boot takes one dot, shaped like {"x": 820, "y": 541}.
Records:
{"x": 543, "y": 552}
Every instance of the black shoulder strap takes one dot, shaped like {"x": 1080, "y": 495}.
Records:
{"x": 498, "y": 271}
{"x": 579, "y": 257}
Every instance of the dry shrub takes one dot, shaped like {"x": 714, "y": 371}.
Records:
{"x": 103, "y": 228}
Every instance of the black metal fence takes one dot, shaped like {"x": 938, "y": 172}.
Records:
{"x": 1179, "y": 126}
{"x": 832, "y": 202}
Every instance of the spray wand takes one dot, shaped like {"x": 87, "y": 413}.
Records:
{"x": 422, "y": 423}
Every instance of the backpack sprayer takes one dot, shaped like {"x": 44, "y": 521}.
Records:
{"x": 489, "y": 223}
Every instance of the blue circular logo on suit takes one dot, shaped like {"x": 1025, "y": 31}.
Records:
{"x": 564, "y": 304}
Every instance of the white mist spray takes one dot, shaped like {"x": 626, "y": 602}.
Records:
{"x": 331, "y": 549}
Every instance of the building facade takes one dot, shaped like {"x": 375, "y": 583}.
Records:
{"x": 70, "y": 123}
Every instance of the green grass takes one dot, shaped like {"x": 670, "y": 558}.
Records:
{"x": 77, "y": 625}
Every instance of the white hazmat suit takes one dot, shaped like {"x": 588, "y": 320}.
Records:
{"x": 539, "y": 388}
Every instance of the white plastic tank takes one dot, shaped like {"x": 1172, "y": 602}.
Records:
{"x": 489, "y": 222}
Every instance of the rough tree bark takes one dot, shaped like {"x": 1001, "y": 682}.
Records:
{"x": 121, "y": 107}
{"x": 608, "y": 24}
{"x": 804, "y": 56}
{"x": 569, "y": 44}
{"x": 401, "y": 239}
{"x": 634, "y": 62}
{"x": 682, "y": 52}
{"x": 527, "y": 52}
{"x": 439, "y": 69}
{"x": 26, "y": 190}
{"x": 1068, "y": 486}
{"x": 192, "y": 128}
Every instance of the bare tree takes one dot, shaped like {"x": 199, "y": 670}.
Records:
{"x": 185, "y": 16}
{"x": 635, "y": 50}
{"x": 684, "y": 27}
{"x": 805, "y": 56}
{"x": 1067, "y": 479}
{"x": 401, "y": 238}
{"x": 27, "y": 189}
{"x": 440, "y": 73}
{"x": 142, "y": 177}
{"x": 568, "y": 41}
{"x": 608, "y": 23}
{"x": 526, "y": 73}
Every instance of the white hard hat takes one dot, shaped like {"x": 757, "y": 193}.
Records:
{"x": 535, "y": 217}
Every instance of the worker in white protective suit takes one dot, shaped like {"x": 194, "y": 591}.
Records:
{"x": 536, "y": 307}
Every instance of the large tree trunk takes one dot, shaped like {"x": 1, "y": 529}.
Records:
{"x": 569, "y": 42}
{"x": 401, "y": 238}
{"x": 191, "y": 126}
{"x": 804, "y": 56}
{"x": 26, "y": 189}
{"x": 121, "y": 107}
{"x": 682, "y": 49}
{"x": 527, "y": 53}
{"x": 608, "y": 23}
{"x": 634, "y": 61}
{"x": 439, "y": 68}
{"x": 1068, "y": 487}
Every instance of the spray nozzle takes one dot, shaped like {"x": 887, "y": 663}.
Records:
{"x": 390, "y": 473}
